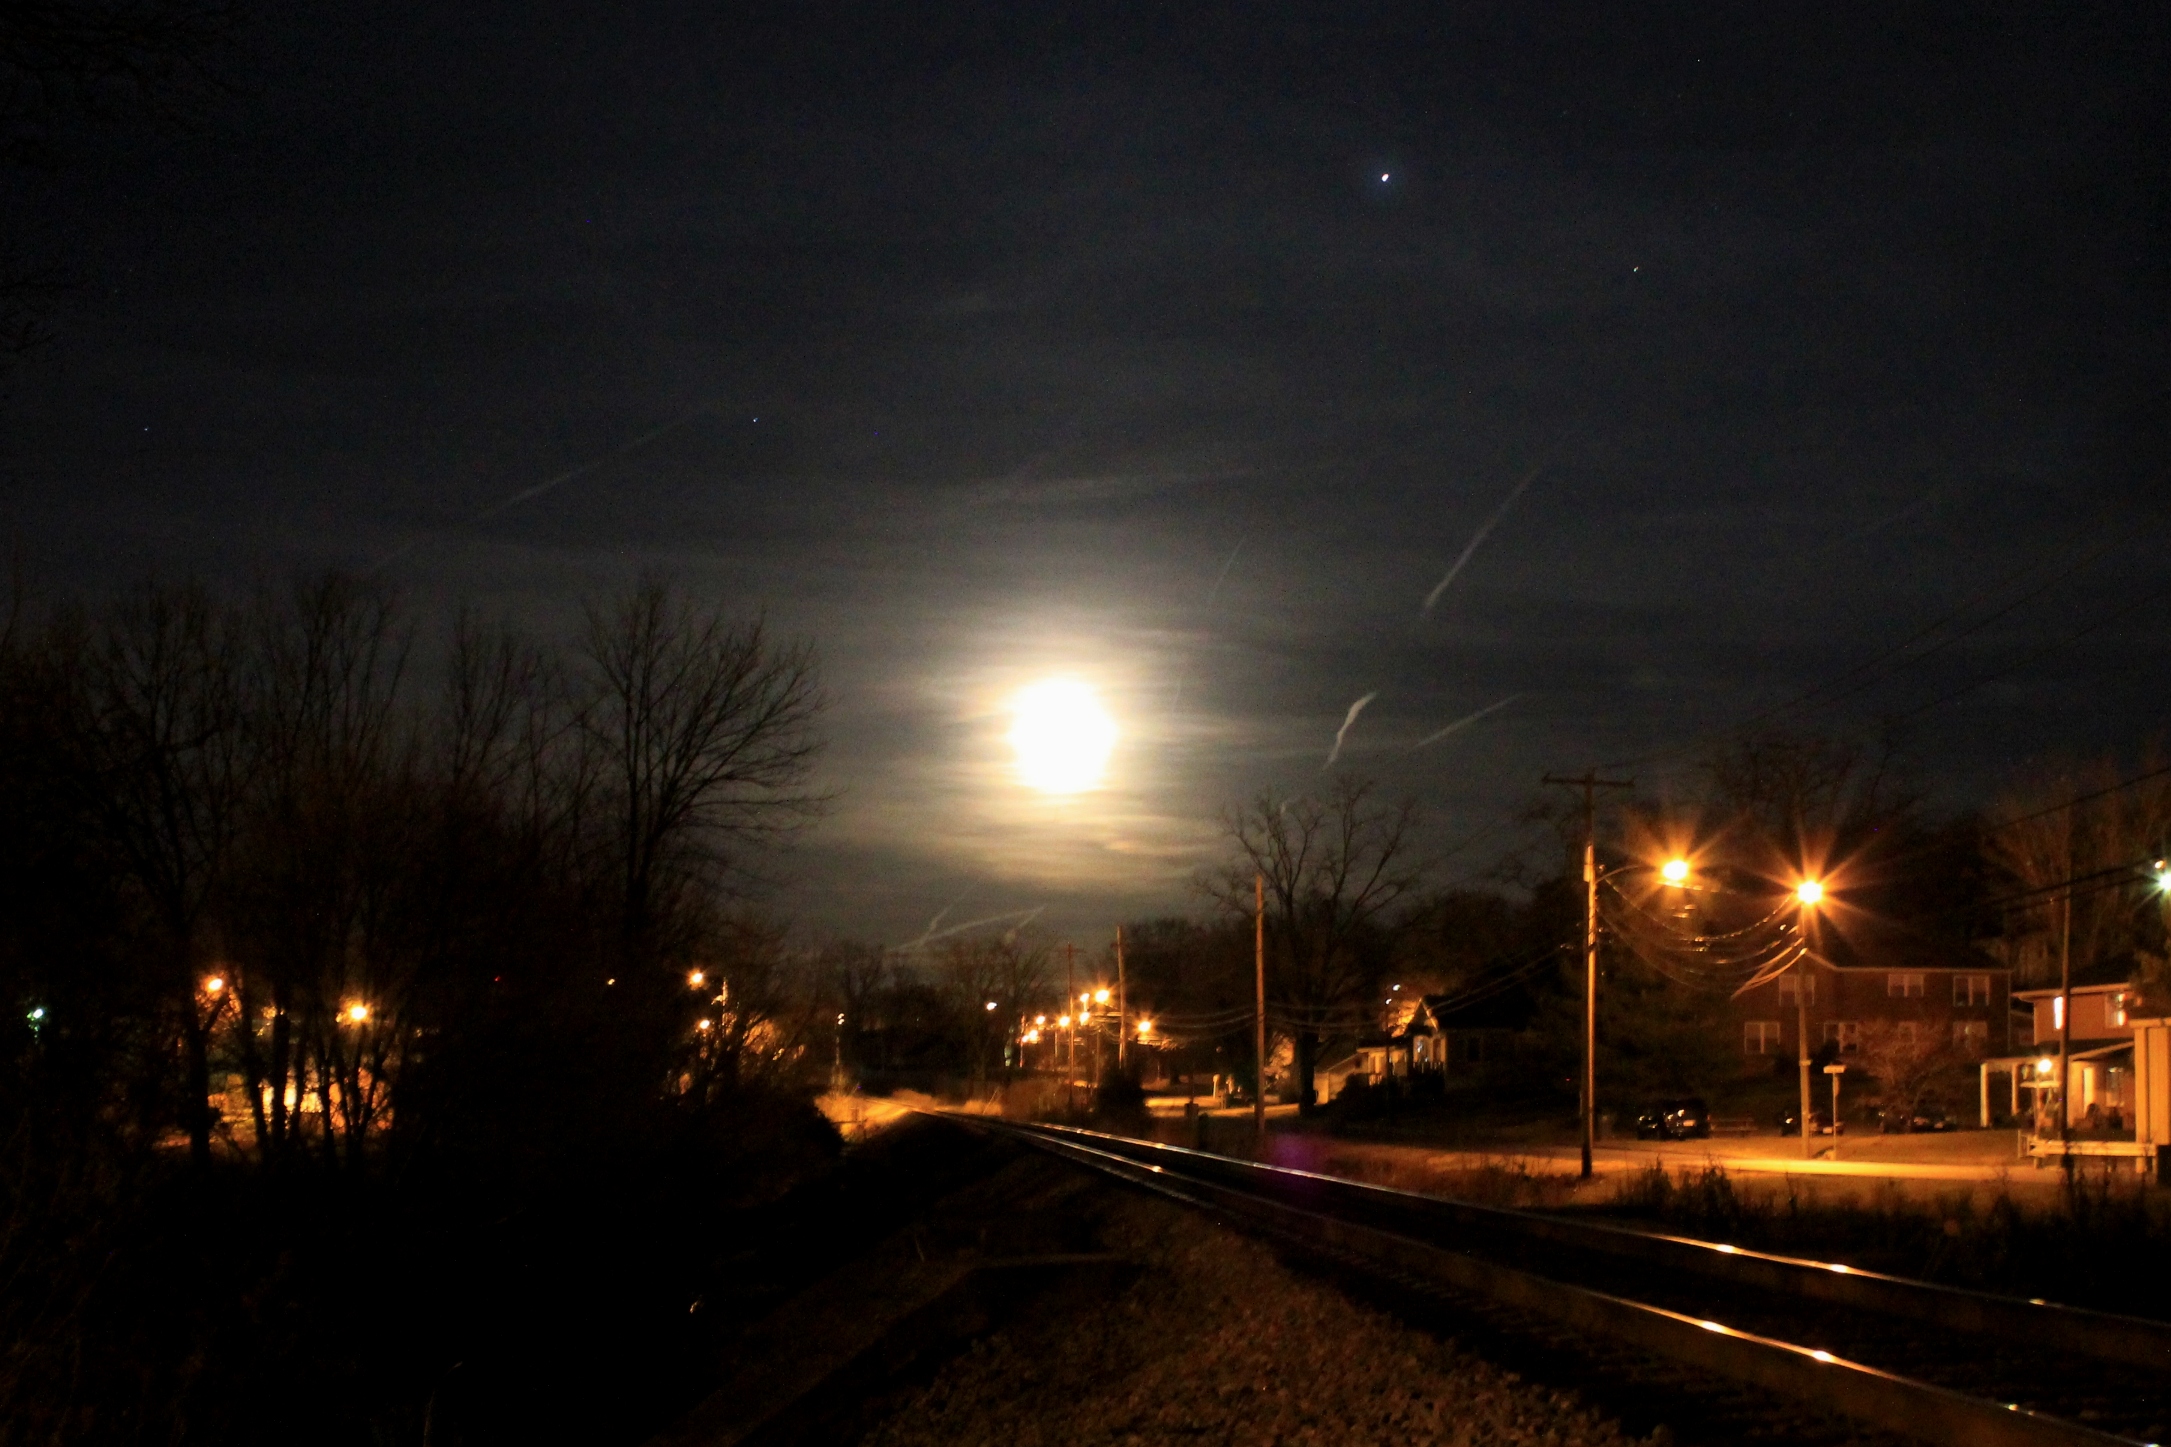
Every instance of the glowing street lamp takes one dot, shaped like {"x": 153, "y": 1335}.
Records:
{"x": 695, "y": 979}
{"x": 357, "y": 1013}
{"x": 1674, "y": 872}
{"x": 1145, "y": 1028}
{"x": 1809, "y": 891}
{"x": 1100, "y": 997}
{"x": 213, "y": 985}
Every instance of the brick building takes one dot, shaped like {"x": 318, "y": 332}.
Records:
{"x": 1966, "y": 1003}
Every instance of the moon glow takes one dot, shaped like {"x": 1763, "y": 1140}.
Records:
{"x": 1062, "y": 736}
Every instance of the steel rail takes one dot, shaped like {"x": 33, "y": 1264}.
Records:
{"x": 2106, "y": 1336}
{"x": 1830, "y": 1382}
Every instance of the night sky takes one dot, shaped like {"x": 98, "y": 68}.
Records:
{"x": 1182, "y": 351}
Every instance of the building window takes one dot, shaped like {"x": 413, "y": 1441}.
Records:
{"x": 1971, "y": 1037}
{"x": 1971, "y": 989}
{"x": 1760, "y": 1037}
{"x": 2114, "y": 1009}
{"x": 1473, "y": 1050}
{"x": 1846, "y": 1034}
{"x": 1791, "y": 981}
{"x": 1904, "y": 987}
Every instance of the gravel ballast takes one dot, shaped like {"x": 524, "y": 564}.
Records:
{"x": 1217, "y": 1342}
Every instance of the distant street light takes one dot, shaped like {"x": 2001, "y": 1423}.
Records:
{"x": 991, "y": 1004}
{"x": 1809, "y": 891}
{"x": 213, "y": 985}
{"x": 357, "y": 1013}
{"x": 1675, "y": 871}
{"x": 696, "y": 979}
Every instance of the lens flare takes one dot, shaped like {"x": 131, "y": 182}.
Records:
{"x": 1062, "y": 736}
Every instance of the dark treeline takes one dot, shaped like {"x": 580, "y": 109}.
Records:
{"x": 381, "y": 1039}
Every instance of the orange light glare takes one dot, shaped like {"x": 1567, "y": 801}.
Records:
{"x": 1674, "y": 871}
{"x": 702, "y": 1024}
{"x": 1145, "y": 1027}
{"x": 1063, "y": 1020}
{"x": 358, "y": 1012}
{"x": 696, "y": 978}
{"x": 214, "y": 985}
{"x": 1100, "y": 997}
{"x": 1809, "y": 891}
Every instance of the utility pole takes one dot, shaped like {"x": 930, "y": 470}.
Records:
{"x": 1590, "y": 784}
{"x": 1123, "y": 1016}
{"x": 2065, "y": 1021}
{"x": 1070, "y": 1003}
{"x": 1258, "y": 956}
{"x": 1802, "y": 985}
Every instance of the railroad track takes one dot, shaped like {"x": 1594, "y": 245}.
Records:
{"x": 1902, "y": 1357}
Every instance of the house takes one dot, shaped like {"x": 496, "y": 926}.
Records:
{"x": 1443, "y": 1036}
{"x": 2099, "y": 1052}
{"x": 1963, "y": 1000}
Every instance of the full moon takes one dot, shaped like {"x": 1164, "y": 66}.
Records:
{"x": 1062, "y": 736}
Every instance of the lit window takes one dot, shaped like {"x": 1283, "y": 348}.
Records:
{"x": 1904, "y": 987}
{"x": 2057, "y": 1012}
{"x": 1971, "y": 1037}
{"x": 2114, "y": 1008}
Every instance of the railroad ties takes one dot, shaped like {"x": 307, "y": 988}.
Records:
{"x": 1907, "y": 1358}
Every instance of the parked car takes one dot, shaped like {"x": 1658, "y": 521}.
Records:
{"x": 1820, "y": 1123}
{"x": 1682, "y": 1118}
{"x": 1921, "y": 1122}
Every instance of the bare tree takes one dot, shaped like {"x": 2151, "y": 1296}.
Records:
{"x": 2101, "y": 844}
{"x": 704, "y": 737}
{"x": 326, "y": 749}
{"x": 161, "y": 753}
{"x": 1907, "y": 1062}
{"x": 1340, "y": 873}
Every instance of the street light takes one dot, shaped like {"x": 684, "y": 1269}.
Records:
{"x": 213, "y": 985}
{"x": 1675, "y": 872}
{"x": 1100, "y": 997}
{"x": 357, "y": 1013}
{"x": 1808, "y": 892}
{"x": 695, "y": 979}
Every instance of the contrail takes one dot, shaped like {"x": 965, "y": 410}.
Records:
{"x": 943, "y": 913}
{"x": 1343, "y": 732}
{"x": 1489, "y": 524}
{"x": 1463, "y": 723}
{"x": 932, "y": 935}
{"x": 1223, "y": 577}
{"x": 1176, "y": 699}
{"x": 527, "y": 494}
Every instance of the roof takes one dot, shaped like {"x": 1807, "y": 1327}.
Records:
{"x": 2053, "y": 991}
{"x": 1503, "y": 1010}
{"x": 1958, "y": 965}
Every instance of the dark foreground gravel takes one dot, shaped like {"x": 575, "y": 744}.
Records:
{"x": 1217, "y": 1342}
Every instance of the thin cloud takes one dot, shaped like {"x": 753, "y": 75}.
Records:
{"x": 1463, "y": 723}
{"x": 1483, "y": 531}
